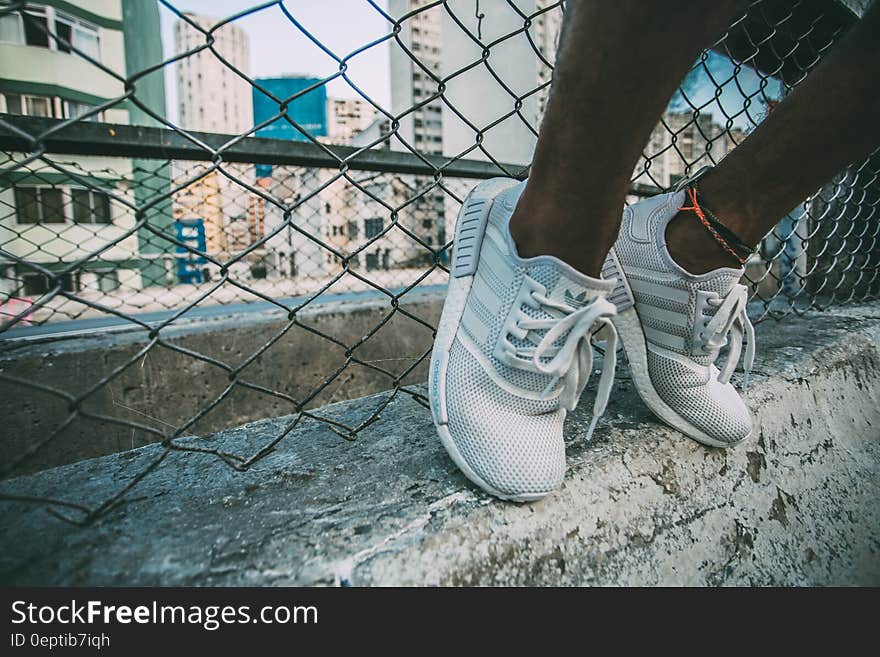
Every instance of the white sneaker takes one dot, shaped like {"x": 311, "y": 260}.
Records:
{"x": 673, "y": 325}
{"x": 512, "y": 352}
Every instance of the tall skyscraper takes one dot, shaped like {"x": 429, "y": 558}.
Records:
{"x": 414, "y": 76}
{"x": 411, "y": 82}
{"x": 436, "y": 46}
{"x": 210, "y": 96}
{"x": 502, "y": 116}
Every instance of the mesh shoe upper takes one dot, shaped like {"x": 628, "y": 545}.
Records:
{"x": 513, "y": 443}
{"x": 677, "y": 312}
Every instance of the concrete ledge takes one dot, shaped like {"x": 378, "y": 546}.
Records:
{"x": 641, "y": 505}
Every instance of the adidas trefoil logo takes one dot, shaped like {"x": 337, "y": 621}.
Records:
{"x": 578, "y": 301}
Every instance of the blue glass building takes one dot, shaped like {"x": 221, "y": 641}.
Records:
{"x": 309, "y": 110}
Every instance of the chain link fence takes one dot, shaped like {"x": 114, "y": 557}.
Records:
{"x": 119, "y": 218}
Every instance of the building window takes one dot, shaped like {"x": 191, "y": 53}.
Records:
{"x": 38, "y": 204}
{"x": 90, "y": 207}
{"x": 352, "y": 230}
{"x": 41, "y": 21}
{"x": 36, "y": 284}
{"x": 26, "y": 105}
{"x": 35, "y": 27}
{"x": 10, "y": 29}
{"x": 32, "y": 105}
{"x": 373, "y": 227}
{"x": 108, "y": 280}
{"x": 75, "y": 110}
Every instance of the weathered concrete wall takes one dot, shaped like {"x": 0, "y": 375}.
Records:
{"x": 165, "y": 388}
{"x": 641, "y": 504}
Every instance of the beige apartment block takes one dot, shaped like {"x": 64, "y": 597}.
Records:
{"x": 49, "y": 217}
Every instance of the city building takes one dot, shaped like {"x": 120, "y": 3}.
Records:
{"x": 325, "y": 211}
{"x": 436, "y": 47}
{"x": 414, "y": 74}
{"x": 48, "y": 216}
{"x": 679, "y": 146}
{"x": 347, "y": 117}
{"x": 291, "y": 252}
{"x": 383, "y": 239}
{"x": 201, "y": 199}
{"x": 503, "y": 118}
{"x": 415, "y": 71}
{"x": 376, "y": 134}
{"x": 308, "y": 111}
{"x": 211, "y": 96}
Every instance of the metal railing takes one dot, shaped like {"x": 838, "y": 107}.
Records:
{"x": 120, "y": 212}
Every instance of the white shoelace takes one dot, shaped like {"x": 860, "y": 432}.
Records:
{"x": 572, "y": 362}
{"x": 731, "y": 318}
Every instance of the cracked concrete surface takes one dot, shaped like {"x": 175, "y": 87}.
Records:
{"x": 641, "y": 505}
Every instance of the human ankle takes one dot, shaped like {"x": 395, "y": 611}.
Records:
{"x": 731, "y": 204}
{"x": 532, "y": 241}
{"x": 693, "y": 248}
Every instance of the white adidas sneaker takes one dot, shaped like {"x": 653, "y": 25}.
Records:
{"x": 673, "y": 325}
{"x": 512, "y": 352}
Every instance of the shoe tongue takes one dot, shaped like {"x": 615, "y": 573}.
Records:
{"x": 568, "y": 286}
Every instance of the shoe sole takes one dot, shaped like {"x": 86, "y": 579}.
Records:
{"x": 469, "y": 231}
{"x": 629, "y": 328}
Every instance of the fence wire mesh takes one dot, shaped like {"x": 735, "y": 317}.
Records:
{"x": 118, "y": 218}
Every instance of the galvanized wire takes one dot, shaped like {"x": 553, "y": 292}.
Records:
{"x": 355, "y": 218}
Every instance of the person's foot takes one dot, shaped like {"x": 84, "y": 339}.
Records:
{"x": 512, "y": 352}
{"x": 673, "y": 325}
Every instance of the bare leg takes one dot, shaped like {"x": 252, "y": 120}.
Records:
{"x": 830, "y": 120}
{"x": 607, "y": 95}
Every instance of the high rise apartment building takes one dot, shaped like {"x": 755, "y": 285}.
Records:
{"x": 53, "y": 218}
{"x": 211, "y": 97}
{"x": 411, "y": 76}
